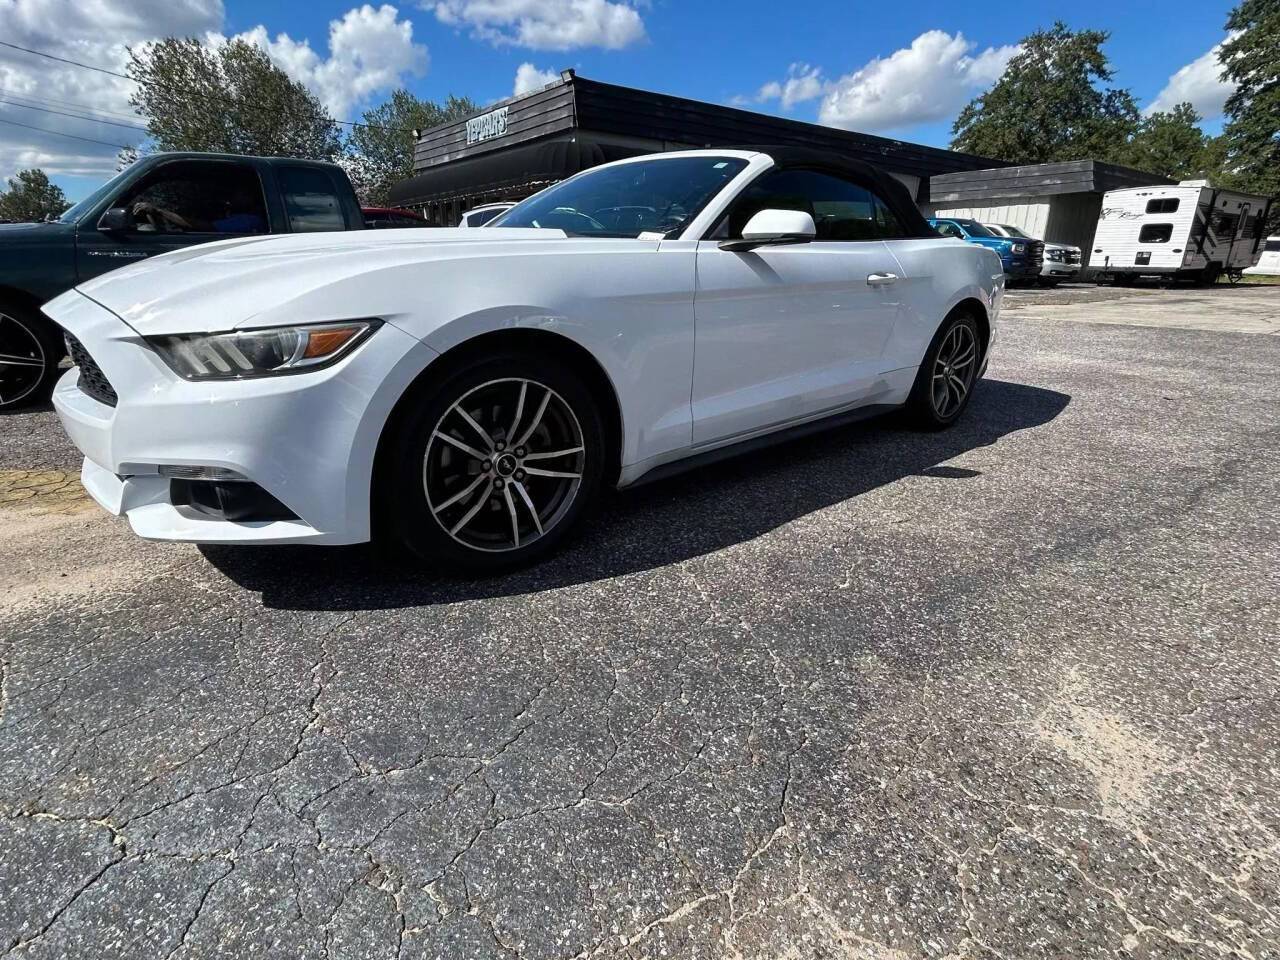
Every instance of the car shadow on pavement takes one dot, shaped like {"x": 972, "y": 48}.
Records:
{"x": 668, "y": 521}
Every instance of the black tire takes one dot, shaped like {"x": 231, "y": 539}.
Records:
{"x": 923, "y": 406}
{"x": 31, "y": 348}
{"x": 425, "y": 484}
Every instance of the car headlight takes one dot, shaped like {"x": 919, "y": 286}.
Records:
{"x": 1019, "y": 248}
{"x": 242, "y": 354}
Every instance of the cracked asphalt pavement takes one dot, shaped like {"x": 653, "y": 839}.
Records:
{"x": 1004, "y": 691}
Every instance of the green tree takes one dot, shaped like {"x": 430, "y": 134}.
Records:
{"x": 1048, "y": 105}
{"x": 1251, "y": 137}
{"x": 31, "y": 197}
{"x": 380, "y": 153}
{"x": 1169, "y": 143}
{"x": 227, "y": 99}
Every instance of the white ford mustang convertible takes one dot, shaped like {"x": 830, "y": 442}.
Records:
{"x": 468, "y": 392}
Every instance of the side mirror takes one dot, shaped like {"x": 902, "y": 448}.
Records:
{"x": 773, "y": 228}
{"x": 115, "y": 219}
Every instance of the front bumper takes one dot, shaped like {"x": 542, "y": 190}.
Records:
{"x": 308, "y": 439}
{"x": 1021, "y": 269}
{"x": 1059, "y": 270}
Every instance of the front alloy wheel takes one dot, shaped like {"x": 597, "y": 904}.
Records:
{"x": 503, "y": 465}
{"x": 495, "y": 467}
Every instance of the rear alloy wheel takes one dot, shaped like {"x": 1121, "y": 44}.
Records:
{"x": 947, "y": 376}
{"x": 504, "y": 458}
{"x": 29, "y": 356}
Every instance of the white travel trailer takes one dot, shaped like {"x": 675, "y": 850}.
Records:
{"x": 1269, "y": 264}
{"x": 1189, "y": 231}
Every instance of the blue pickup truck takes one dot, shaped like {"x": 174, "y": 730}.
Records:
{"x": 162, "y": 202}
{"x": 1022, "y": 259}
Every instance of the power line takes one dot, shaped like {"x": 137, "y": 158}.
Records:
{"x": 59, "y": 133}
{"x": 74, "y": 104}
{"x": 74, "y": 63}
{"x": 122, "y": 76}
{"x": 77, "y": 116}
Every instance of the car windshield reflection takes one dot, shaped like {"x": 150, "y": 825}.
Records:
{"x": 659, "y": 195}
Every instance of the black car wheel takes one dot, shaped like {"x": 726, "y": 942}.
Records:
{"x": 494, "y": 467}
{"x": 30, "y": 351}
{"x": 948, "y": 374}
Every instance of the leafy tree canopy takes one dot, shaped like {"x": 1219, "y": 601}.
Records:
{"x": 31, "y": 197}
{"x": 1048, "y": 104}
{"x": 1170, "y": 144}
{"x": 380, "y": 153}
{"x": 1251, "y": 137}
{"x": 227, "y": 99}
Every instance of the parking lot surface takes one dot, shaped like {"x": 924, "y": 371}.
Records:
{"x": 1007, "y": 690}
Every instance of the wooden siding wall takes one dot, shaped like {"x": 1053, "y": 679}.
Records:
{"x": 529, "y": 117}
{"x": 1036, "y": 180}
{"x": 613, "y": 111}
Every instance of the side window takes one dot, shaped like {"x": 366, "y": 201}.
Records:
{"x": 1223, "y": 225}
{"x": 198, "y": 196}
{"x": 948, "y": 229}
{"x": 310, "y": 200}
{"x": 1155, "y": 233}
{"x": 842, "y": 211}
{"x": 888, "y": 225}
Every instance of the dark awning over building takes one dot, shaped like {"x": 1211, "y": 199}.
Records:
{"x": 1037, "y": 180}
{"x": 520, "y": 170}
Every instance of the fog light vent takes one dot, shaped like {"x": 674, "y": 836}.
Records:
{"x": 177, "y": 472}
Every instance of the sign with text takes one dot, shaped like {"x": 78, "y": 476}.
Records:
{"x": 487, "y": 126}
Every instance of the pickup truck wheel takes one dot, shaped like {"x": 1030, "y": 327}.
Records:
{"x": 494, "y": 467}
{"x": 947, "y": 376}
{"x": 30, "y": 351}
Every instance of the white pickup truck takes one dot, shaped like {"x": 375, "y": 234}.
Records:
{"x": 1061, "y": 260}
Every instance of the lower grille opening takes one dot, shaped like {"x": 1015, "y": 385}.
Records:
{"x": 238, "y": 501}
{"x": 92, "y": 380}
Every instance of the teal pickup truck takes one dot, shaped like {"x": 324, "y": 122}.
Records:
{"x": 162, "y": 202}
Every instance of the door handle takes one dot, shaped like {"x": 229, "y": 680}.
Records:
{"x": 881, "y": 279}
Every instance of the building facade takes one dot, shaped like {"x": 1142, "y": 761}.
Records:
{"x": 518, "y": 146}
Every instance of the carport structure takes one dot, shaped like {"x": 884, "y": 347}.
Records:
{"x": 1058, "y": 202}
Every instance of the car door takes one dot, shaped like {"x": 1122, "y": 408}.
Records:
{"x": 786, "y": 333}
{"x": 179, "y": 203}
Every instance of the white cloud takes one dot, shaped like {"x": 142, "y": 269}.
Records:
{"x": 923, "y": 83}
{"x": 370, "y": 50}
{"x": 1199, "y": 83}
{"x": 545, "y": 24}
{"x": 93, "y": 32}
{"x": 803, "y": 83}
{"x": 529, "y": 77}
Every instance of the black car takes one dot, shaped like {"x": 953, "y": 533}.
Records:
{"x": 161, "y": 203}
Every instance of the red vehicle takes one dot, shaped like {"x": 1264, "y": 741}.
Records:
{"x": 383, "y": 217}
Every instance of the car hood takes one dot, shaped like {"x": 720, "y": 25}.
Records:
{"x": 995, "y": 243}
{"x": 267, "y": 281}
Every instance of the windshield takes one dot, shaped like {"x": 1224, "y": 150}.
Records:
{"x": 76, "y": 211}
{"x": 975, "y": 229}
{"x": 1013, "y": 232}
{"x": 658, "y": 196}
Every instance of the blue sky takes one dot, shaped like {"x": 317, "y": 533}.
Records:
{"x": 899, "y": 70}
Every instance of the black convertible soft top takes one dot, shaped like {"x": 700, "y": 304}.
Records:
{"x": 890, "y": 189}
